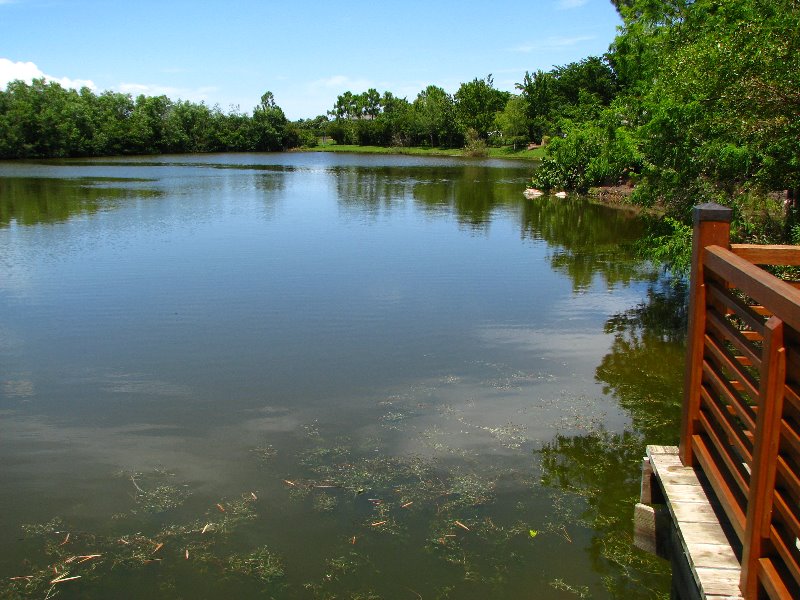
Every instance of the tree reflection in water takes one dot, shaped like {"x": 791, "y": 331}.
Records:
{"x": 601, "y": 469}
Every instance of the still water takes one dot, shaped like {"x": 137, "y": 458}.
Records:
{"x": 323, "y": 376}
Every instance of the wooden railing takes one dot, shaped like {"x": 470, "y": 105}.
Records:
{"x": 741, "y": 413}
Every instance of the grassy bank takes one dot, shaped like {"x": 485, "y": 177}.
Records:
{"x": 417, "y": 151}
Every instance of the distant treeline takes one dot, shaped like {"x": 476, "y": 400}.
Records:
{"x": 44, "y": 120}
{"x": 477, "y": 111}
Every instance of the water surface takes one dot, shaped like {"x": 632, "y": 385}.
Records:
{"x": 318, "y": 376}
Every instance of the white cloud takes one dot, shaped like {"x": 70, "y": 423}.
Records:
{"x": 552, "y": 43}
{"x": 28, "y": 71}
{"x": 342, "y": 83}
{"x": 201, "y": 94}
{"x": 569, "y": 4}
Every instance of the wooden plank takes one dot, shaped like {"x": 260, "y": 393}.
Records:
{"x": 711, "y": 562}
{"x": 727, "y": 500}
{"x": 789, "y": 524}
{"x": 718, "y": 582}
{"x": 773, "y": 584}
{"x": 734, "y": 469}
{"x": 768, "y": 254}
{"x": 648, "y": 483}
{"x": 651, "y": 528}
{"x": 791, "y": 395}
{"x": 724, "y": 415}
{"x": 695, "y": 346}
{"x": 765, "y": 288}
{"x": 676, "y": 475}
{"x": 762, "y": 311}
{"x": 695, "y": 513}
{"x": 712, "y": 225}
{"x": 788, "y": 478}
{"x": 662, "y": 450}
{"x": 791, "y": 437}
{"x": 785, "y": 554}
{"x": 746, "y": 313}
{"x": 731, "y": 362}
{"x": 686, "y": 494}
{"x": 729, "y": 396}
{"x": 644, "y": 528}
{"x": 714, "y": 556}
{"x": 765, "y": 453}
{"x": 711, "y": 531}
{"x": 742, "y": 340}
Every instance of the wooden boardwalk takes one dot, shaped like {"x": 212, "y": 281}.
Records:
{"x": 686, "y": 529}
{"x": 724, "y": 507}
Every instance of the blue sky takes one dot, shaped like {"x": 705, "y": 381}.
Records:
{"x": 305, "y": 52}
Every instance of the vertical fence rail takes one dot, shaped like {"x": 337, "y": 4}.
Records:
{"x": 765, "y": 455}
{"x": 711, "y": 228}
{"x": 741, "y": 413}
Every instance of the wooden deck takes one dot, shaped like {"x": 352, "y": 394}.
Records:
{"x": 725, "y": 508}
{"x": 677, "y": 520}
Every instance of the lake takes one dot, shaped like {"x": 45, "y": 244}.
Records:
{"x": 310, "y": 375}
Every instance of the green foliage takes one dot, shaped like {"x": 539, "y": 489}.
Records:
{"x": 575, "y": 92}
{"x": 476, "y": 146}
{"x": 44, "y": 120}
{"x": 589, "y": 153}
{"x": 433, "y": 115}
{"x": 670, "y": 242}
{"x": 696, "y": 101}
{"x": 477, "y": 104}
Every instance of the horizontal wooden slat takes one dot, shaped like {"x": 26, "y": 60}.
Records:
{"x": 736, "y": 305}
{"x": 785, "y": 553}
{"x": 771, "y": 580}
{"x": 728, "y": 360}
{"x": 726, "y": 331}
{"x": 791, "y": 437}
{"x": 791, "y": 395}
{"x": 782, "y": 513}
{"x": 725, "y": 416}
{"x": 730, "y": 462}
{"x": 788, "y": 479}
{"x": 768, "y": 254}
{"x": 726, "y": 499}
{"x": 727, "y": 393}
{"x": 761, "y": 311}
{"x": 766, "y": 289}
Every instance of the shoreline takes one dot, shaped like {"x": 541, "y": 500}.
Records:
{"x": 504, "y": 153}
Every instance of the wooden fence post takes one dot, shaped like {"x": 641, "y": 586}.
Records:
{"x": 712, "y": 225}
{"x": 765, "y": 454}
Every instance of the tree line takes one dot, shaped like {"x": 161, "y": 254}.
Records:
{"x": 45, "y": 120}
{"x": 42, "y": 119}
{"x": 476, "y": 111}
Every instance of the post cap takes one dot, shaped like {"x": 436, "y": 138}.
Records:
{"x": 711, "y": 211}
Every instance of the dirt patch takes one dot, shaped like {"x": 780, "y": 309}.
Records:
{"x": 611, "y": 194}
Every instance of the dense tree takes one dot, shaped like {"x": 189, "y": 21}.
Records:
{"x": 43, "y": 119}
{"x": 704, "y": 106}
{"x": 269, "y": 125}
{"x": 434, "y": 116}
{"x": 512, "y": 121}
{"x": 538, "y": 89}
{"x": 477, "y": 103}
